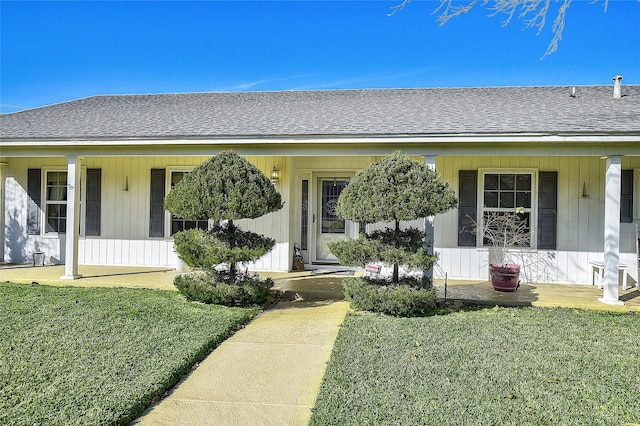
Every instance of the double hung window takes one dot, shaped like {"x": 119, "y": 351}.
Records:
{"x": 47, "y": 201}
{"x": 505, "y": 193}
{"x": 56, "y": 202}
{"x": 528, "y": 193}
{"x": 177, "y": 223}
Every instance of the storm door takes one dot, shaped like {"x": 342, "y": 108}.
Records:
{"x": 328, "y": 226}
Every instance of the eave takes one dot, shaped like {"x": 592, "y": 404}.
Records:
{"x": 316, "y": 145}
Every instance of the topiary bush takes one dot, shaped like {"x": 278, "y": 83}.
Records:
{"x": 223, "y": 189}
{"x": 208, "y": 288}
{"x": 207, "y": 249}
{"x": 393, "y": 189}
{"x": 408, "y": 298}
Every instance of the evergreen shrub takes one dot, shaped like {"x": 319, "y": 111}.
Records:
{"x": 391, "y": 190}
{"x": 403, "y": 299}
{"x": 207, "y": 287}
{"x": 223, "y": 189}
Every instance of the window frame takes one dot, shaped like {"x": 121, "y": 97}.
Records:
{"x": 533, "y": 210}
{"x": 46, "y": 202}
{"x": 168, "y": 215}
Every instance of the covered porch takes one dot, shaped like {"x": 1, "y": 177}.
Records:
{"x": 321, "y": 286}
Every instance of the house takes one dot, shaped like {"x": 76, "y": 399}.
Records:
{"x": 84, "y": 181}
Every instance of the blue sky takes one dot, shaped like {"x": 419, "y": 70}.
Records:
{"x": 53, "y": 51}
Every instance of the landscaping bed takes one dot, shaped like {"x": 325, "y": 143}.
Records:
{"x": 93, "y": 356}
{"x": 490, "y": 366}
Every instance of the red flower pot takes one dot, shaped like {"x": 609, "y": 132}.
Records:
{"x": 505, "y": 277}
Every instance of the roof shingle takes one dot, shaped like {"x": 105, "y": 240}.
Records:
{"x": 388, "y": 112}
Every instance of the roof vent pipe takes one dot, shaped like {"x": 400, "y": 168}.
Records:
{"x": 617, "y": 87}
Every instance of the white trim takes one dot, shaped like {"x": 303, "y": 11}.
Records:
{"x": 2, "y": 209}
{"x": 333, "y": 139}
{"x": 74, "y": 189}
{"x": 366, "y": 145}
{"x": 613, "y": 174}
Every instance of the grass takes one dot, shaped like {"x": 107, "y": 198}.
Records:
{"x": 504, "y": 366}
{"x": 98, "y": 356}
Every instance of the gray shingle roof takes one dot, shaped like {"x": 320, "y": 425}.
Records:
{"x": 388, "y": 112}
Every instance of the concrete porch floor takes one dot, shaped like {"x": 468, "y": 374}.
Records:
{"x": 541, "y": 295}
{"x": 307, "y": 287}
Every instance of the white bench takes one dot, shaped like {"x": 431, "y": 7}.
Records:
{"x": 597, "y": 267}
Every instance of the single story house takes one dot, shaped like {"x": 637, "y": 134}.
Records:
{"x": 84, "y": 181}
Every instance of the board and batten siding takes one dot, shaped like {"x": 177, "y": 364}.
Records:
{"x": 312, "y": 168}
{"x": 124, "y": 213}
{"x": 580, "y": 220}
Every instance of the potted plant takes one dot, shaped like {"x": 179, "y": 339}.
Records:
{"x": 504, "y": 232}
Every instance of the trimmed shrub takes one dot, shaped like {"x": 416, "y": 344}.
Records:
{"x": 207, "y": 249}
{"x": 393, "y": 189}
{"x": 223, "y": 189}
{"x": 409, "y": 297}
{"x": 208, "y": 288}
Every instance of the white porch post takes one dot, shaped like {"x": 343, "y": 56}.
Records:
{"x": 429, "y": 238}
{"x": 2, "y": 208}
{"x": 73, "y": 218}
{"x": 612, "y": 231}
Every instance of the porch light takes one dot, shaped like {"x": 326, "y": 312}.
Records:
{"x": 275, "y": 176}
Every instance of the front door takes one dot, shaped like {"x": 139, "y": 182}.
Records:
{"x": 328, "y": 226}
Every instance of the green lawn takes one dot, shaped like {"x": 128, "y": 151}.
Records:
{"x": 89, "y": 356}
{"x": 503, "y": 366}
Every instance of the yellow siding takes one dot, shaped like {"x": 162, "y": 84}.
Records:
{"x": 125, "y": 214}
{"x": 580, "y": 236}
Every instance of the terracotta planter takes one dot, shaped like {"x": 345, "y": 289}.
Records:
{"x": 505, "y": 277}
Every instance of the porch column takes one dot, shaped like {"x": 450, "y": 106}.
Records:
{"x": 2, "y": 177}
{"x": 73, "y": 218}
{"x": 612, "y": 231}
{"x": 429, "y": 238}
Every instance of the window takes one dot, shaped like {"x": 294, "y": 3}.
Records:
{"x": 177, "y": 223}
{"x": 508, "y": 193}
{"x": 158, "y": 215}
{"x": 304, "y": 213}
{"x": 50, "y": 208}
{"x": 530, "y": 193}
{"x": 56, "y": 202}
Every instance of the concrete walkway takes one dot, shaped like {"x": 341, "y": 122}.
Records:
{"x": 268, "y": 373}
